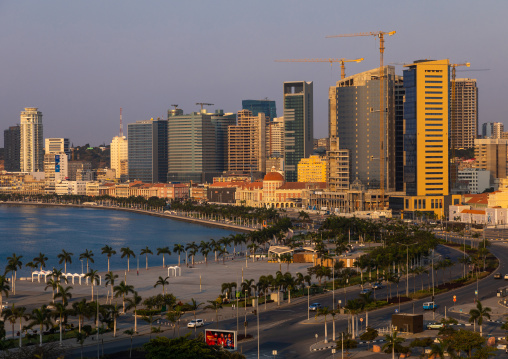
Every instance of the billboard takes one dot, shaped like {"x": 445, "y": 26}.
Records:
{"x": 57, "y": 163}
{"x": 222, "y": 338}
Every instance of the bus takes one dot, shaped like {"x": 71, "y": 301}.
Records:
{"x": 501, "y": 292}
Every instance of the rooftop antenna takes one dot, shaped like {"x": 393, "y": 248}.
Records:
{"x": 121, "y": 124}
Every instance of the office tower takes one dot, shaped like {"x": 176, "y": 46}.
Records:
{"x": 275, "y": 138}
{"x": 11, "y": 149}
{"x": 147, "y": 151}
{"x": 354, "y": 125}
{"x": 313, "y": 169}
{"x": 247, "y": 143}
{"x": 78, "y": 169}
{"x": 31, "y": 144}
{"x": 191, "y": 147}
{"x": 464, "y": 113}
{"x": 261, "y": 106}
{"x": 492, "y": 130}
{"x": 120, "y": 157}
{"x": 56, "y": 167}
{"x": 54, "y": 145}
{"x": 399, "y": 134}
{"x": 221, "y": 122}
{"x": 491, "y": 154}
{"x": 298, "y": 125}
{"x": 426, "y": 138}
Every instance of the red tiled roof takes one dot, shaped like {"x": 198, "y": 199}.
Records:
{"x": 473, "y": 211}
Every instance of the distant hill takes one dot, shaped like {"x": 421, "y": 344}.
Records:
{"x": 96, "y": 155}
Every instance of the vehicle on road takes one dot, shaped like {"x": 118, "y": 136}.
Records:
{"x": 365, "y": 291}
{"x": 435, "y": 325}
{"x": 377, "y": 286}
{"x": 195, "y": 323}
{"x": 506, "y": 277}
{"x": 498, "y": 276}
{"x": 501, "y": 292}
{"x": 429, "y": 305}
{"x": 315, "y": 306}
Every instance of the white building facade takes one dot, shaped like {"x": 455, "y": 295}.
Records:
{"x": 478, "y": 179}
{"x": 31, "y": 140}
{"x": 120, "y": 156}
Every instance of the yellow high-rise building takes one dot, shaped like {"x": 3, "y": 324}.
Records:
{"x": 312, "y": 169}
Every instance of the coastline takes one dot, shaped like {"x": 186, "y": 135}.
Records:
{"x": 202, "y": 222}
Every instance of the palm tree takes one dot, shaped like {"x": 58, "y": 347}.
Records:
{"x": 133, "y": 302}
{"x": 64, "y": 293}
{"x": 60, "y": 312}
{"x": 127, "y": 252}
{"x": 478, "y": 314}
{"x": 41, "y": 317}
{"x": 81, "y": 310}
{"x": 146, "y": 251}
{"x": 10, "y": 316}
{"x": 122, "y": 290}
{"x": 392, "y": 342}
{"x": 113, "y": 309}
{"x": 110, "y": 280}
{"x": 94, "y": 277}
{"x": 163, "y": 282}
{"x": 4, "y": 290}
{"x": 130, "y": 333}
{"x": 20, "y": 313}
{"x": 222, "y": 252}
{"x": 215, "y": 306}
{"x": 32, "y": 267}
{"x": 108, "y": 251}
{"x": 324, "y": 312}
{"x": 164, "y": 251}
{"x": 192, "y": 247}
{"x": 193, "y": 305}
{"x": 40, "y": 260}
{"x": 53, "y": 284}
{"x": 14, "y": 263}
{"x": 204, "y": 248}
{"x": 65, "y": 257}
{"x": 88, "y": 255}
{"x": 178, "y": 248}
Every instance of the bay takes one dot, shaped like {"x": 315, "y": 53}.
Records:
{"x": 29, "y": 230}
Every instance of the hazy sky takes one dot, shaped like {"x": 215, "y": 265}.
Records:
{"x": 80, "y": 61}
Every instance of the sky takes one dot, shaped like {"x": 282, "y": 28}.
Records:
{"x": 80, "y": 61}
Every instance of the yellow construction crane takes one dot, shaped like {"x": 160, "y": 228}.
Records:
{"x": 382, "y": 108}
{"x": 331, "y": 61}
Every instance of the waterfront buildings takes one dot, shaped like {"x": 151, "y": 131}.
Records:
{"x": 31, "y": 140}
{"x": 56, "y": 167}
{"x": 265, "y": 106}
{"x": 492, "y": 155}
{"x": 247, "y": 143}
{"x": 148, "y": 151}
{"x": 464, "y": 114}
{"x": 298, "y": 125}
{"x": 55, "y": 145}
{"x": 221, "y": 122}
{"x": 476, "y": 179}
{"x": 492, "y": 130}
{"x": 119, "y": 157}
{"x": 11, "y": 149}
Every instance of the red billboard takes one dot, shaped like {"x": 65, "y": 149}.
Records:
{"x": 222, "y": 338}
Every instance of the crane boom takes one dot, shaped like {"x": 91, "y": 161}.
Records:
{"x": 203, "y": 104}
{"x": 331, "y": 61}
{"x": 377, "y": 33}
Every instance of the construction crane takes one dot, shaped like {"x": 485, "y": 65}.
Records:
{"x": 203, "y": 104}
{"x": 331, "y": 61}
{"x": 382, "y": 108}
{"x": 176, "y": 106}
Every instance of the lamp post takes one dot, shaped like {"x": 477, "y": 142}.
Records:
{"x": 308, "y": 302}
{"x": 407, "y": 266}
{"x": 257, "y": 315}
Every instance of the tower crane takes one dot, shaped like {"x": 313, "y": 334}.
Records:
{"x": 203, "y": 104}
{"x": 331, "y": 61}
{"x": 382, "y": 108}
{"x": 175, "y": 106}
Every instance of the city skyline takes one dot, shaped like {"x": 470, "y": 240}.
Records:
{"x": 127, "y": 54}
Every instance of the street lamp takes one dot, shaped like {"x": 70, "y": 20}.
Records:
{"x": 308, "y": 303}
{"x": 407, "y": 266}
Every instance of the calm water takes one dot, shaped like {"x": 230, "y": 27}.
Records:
{"x": 28, "y": 230}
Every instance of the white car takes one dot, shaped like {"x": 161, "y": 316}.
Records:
{"x": 195, "y": 323}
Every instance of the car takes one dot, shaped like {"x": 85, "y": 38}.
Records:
{"x": 315, "y": 306}
{"x": 365, "y": 291}
{"x": 435, "y": 325}
{"x": 195, "y": 323}
{"x": 498, "y": 276}
{"x": 506, "y": 276}
{"x": 377, "y": 286}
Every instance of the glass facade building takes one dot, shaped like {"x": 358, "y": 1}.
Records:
{"x": 261, "y": 106}
{"x": 147, "y": 148}
{"x": 298, "y": 125}
{"x": 11, "y": 149}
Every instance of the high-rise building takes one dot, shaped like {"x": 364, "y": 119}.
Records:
{"x": 120, "y": 157}
{"x": 491, "y": 154}
{"x": 221, "y": 122}
{"x": 464, "y": 113}
{"x": 31, "y": 141}
{"x": 247, "y": 143}
{"x": 313, "y": 169}
{"x": 11, "y": 149}
{"x": 399, "y": 134}
{"x": 298, "y": 125}
{"x": 492, "y": 130}
{"x": 261, "y": 106}
{"x": 192, "y": 147}
{"x": 56, "y": 167}
{"x": 354, "y": 125}
{"x": 275, "y": 138}
{"x": 148, "y": 151}
{"x": 78, "y": 169}
{"x": 54, "y": 145}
